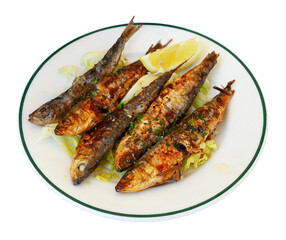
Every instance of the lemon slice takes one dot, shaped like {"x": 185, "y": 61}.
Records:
{"x": 163, "y": 60}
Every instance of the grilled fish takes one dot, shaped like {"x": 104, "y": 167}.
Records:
{"x": 164, "y": 160}
{"x": 94, "y": 144}
{"x": 54, "y": 110}
{"x": 171, "y": 104}
{"x": 107, "y": 95}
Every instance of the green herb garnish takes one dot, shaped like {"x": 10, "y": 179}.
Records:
{"x": 136, "y": 140}
{"x": 204, "y": 133}
{"x": 94, "y": 80}
{"x": 115, "y": 73}
{"x": 198, "y": 116}
{"x": 180, "y": 130}
{"x": 140, "y": 116}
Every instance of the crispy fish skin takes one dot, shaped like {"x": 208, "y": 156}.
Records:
{"x": 171, "y": 104}
{"x": 54, "y": 110}
{"x": 164, "y": 160}
{"x": 94, "y": 144}
{"x": 110, "y": 91}
{"x": 116, "y": 85}
{"x": 92, "y": 110}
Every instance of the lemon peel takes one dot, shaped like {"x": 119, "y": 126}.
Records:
{"x": 165, "y": 59}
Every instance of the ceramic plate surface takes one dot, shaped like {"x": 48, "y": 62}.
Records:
{"x": 240, "y": 135}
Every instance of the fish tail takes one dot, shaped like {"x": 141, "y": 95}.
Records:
{"x": 130, "y": 30}
{"x": 157, "y": 46}
{"x": 202, "y": 70}
{"x": 212, "y": 57}
{"x": 209, "y": 61}
{"x": 227, "y": 90}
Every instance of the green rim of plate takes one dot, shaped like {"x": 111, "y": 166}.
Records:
{"x": 144, "y": 215}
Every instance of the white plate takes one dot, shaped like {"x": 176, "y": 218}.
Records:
{"x": 240, "y": 136}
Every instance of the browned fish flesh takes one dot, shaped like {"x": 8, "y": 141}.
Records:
{"x": 105, "y": 98}
{"x": 54, "y": 110}
{"x": 163, "y": 161}
{"x": 95, "y": 143}
{"x": 168, "y": 108}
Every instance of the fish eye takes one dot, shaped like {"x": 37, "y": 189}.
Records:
{"x": 66, "y": 121}
{"x": 81, "y": 167}
{"x": 45, "y": 112}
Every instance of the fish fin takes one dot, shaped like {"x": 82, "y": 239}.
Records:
{"x": 177, "y": 175}
{"x": 130, "y": 29}
{"x": 172, "y": 174}
{"x": 211, "y": 58}
{"x": 211, "y": 136}
{"x": 227, "y": 90}
{"x": 157, "y": 46}
{"x": 176, "y": 68}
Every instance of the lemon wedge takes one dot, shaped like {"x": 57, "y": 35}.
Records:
{"x": 163, "y": 60}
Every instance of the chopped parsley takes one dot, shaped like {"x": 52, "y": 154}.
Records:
{"x": 131, "y": 132}
{"x": 94, "y": 80}
{"x": 131, "y": 125}
{"x": 198, "y": 116}
{"x": 136, "y": 140}
{"x": 115, "y": 73}
{"x": 159, "y": 137}
{"x": 157, "y": 130}
{"x": 204, "y": 133}
{"x": 180, "y": 130}
{"x": 122, "y": 104}
{"x": 149, "y": 130}
{"x": 140, "y": 116}
{"x": 192, "y": 124}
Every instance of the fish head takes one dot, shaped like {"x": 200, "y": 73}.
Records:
{"x": 141, "y": 176}
{"x": 144, "y": 175}
{"x": 43, "y": 115}
{"x": 125, "y": 154}
{"x": 79, "y": 170}
{"x": 67, "y": 127}
{"x": 81, "y": 118}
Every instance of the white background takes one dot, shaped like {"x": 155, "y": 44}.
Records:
{"x": 32, "y": 30}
